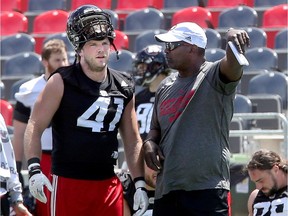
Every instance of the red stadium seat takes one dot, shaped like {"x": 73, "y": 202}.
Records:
{"x": 48, "y": 22}
{"x": 276, "y": 16}
{"x": 274, "y": 19}
{"x": 199, "y": 15}
{"x": 8, "y": 5}
{"x": 7, "y": 112}
{"x": 126, "y": 6}
{"x": 13, "y": 22}
{"x": 22, "y": 5}
{"x": 99, "y": 3}
{"x": 121, "y": 41}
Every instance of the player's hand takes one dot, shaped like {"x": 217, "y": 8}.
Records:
{"x": 36, "y": 182}
{"x": 141, "y": 201}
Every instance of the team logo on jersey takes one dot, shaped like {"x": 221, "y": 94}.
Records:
{"x": 114, "y": 155}
{"x": 4, "y": 136}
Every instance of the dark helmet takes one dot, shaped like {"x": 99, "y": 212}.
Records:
{"x": 89, "y": 22}
{"x": 153, "y": 56}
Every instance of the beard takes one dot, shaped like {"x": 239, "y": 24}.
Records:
{"x": 273, "y": 189}
{"x": 95, "y": 65}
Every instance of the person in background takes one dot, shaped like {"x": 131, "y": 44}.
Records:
{"x": 150, "y": 68}
{"x": 87, "y": 104}
{"x": 11, "y": 188}
{"x": 54, "y": 55}
{"x": 270, "y": 174}
{"x": 188, "y": 138}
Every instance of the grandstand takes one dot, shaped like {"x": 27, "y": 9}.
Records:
{"x": 252, "y": 138}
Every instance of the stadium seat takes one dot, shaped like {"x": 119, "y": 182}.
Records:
{"x": 240, "y": 16}
{"x": 144, "y": 19}
{"x": 13, "y": 22}
{"x": 172, "y": 4}
{"x": 2, "y": 90}
{"x": 230, "y": 3}
{"x": 61, "y": 36}
{"x": 198, "y": 15}
{"x": 15, "y": 88}
{"x": 213, "y": 38}
{"x": 22, "y": 5}
{"x": 71, "y": 57}
{"x": 261, "y": 59}
{"x": 281, "y": 39}
{"x": 242, "y": 104}
{"x": 268, "y": 3}
{"x": 136, "y": 4}
{"x": 48, "y": 22}
{"x": 7, "y": 112}
{"x": 246, "y": 77}
{"x": 114, "y": 18}
{"x": 16, "y": 43}
{"x": 217, "y": 6}
{"x": 270, "y": 83}
{"x": 8, "y": 5}
{"x": 274, "y": 19}
{"x": 46, "y": 5}
{"x": 258, "y": 37}
{"x": 121, "y": 41}
{"x": 124, "y": 63}
{"x": 214, "y": 54}
{"x": 52, "y": 21}
{"x": 268, "y": 93}
{"x": 23, "y": 64}
{"x": 147, "y": 38}
{"x": 276, "y": 16}
{"x": 124, "y": 7}
{"x": 100, "y": 3}
{"x": 263, "y": 103}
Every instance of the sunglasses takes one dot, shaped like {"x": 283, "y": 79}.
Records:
{"x": 172, "y": 45}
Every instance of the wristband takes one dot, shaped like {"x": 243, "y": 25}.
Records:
{"x": 33, "y": 160}
{"x": 34, "y": 168}
{"x": 138, "y": 179}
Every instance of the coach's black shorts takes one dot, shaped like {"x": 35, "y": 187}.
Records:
{"x": 212, "y": 202}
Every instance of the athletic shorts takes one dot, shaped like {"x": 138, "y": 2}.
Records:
{"x": 212, "y": 202}
{"x": 86, "y": 197}
{"x": 43, "y": 209}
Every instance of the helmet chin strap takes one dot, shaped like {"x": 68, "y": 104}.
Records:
{"x": 117, "y": 53}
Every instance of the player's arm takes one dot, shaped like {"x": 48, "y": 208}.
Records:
{"x": 21, "y": 116}
{"x": 132, "y": 140}
{"x": 45, "y": 107}
{"x": 251, "y": 201}
{"x": 230, "y": 68}
{"x": 134, "y": 156}
{"x": 18, "y": 138}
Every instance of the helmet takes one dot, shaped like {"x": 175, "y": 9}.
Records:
{"x": 154, "y": 58}
{"x": 89, "y": 22}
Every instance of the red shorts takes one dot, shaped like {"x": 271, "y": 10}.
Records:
{"x": 86, "y": 197}
{"x": 43, "y": 209}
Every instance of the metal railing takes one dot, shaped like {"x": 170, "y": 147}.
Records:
{"x": 282, "y": 131}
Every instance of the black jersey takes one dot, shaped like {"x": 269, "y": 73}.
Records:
{"x": 144, "y": 102}
{"x": 270, "y": 206}
{"x": 85, "y": 126}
